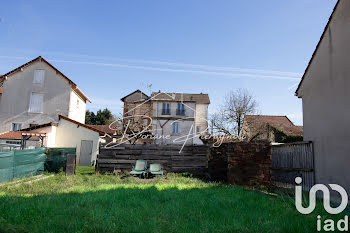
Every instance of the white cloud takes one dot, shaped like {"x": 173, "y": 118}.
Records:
{"x": 234, "y": 72}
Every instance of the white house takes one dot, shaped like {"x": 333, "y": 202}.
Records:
{"x": 325, "y": 93}
{"x": 70, "y": 133}
{"x": 36, "y": 93}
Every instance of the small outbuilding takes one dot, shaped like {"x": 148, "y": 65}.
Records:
{"x": 70, "y": 133}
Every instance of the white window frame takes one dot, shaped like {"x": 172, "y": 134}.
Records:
{"x": 39, "y": 76}
{"x": 30, "y": 109}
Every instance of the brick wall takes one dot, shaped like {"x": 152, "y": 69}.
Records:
{"x": 241, "y": 163}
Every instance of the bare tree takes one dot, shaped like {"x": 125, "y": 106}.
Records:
{"x": 229, "y": 118}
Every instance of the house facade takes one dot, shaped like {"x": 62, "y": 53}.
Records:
{"x": 179, "y": 117}
{"x": 36, "y": 93}
{"x": 171, "y": 118}
{"x": 324, "y": 90}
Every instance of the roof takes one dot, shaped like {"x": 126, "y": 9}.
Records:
{"x": 40, "y": 126}
{"x": 16, "y": 135}
{"x": 81, "y": 124}
{"x": 104, "y": 128}
{"x": 317, "y": 46}
{"x": 186, "y": 97}
{"x": 280, "y": 122}
{"x": 74, "y": 86}
{"x": 122, "y": 99}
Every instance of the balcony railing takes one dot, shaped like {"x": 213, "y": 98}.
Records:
{"x": 180, "y": 112}
{"x": 165, "y": 111}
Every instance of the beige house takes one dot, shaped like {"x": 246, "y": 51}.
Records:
{"x": 325, "y": 93}
{"x": 70, "y": 133}
{"x": 180, "y": 116}
{"x": 36, "y": 93}
{"x": 169, "y": 117}
{"x": 272, "y": 128}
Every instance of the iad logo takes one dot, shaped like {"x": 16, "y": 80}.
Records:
{"x": 329, "y": 224}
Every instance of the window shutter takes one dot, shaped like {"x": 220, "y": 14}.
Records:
{"x": 39, "y": 76}
{"x": 36, "y": 103}
{"x": 175, "y": 127}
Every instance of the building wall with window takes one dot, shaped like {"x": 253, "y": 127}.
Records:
{"x": 173, "y": 122}
{"x": 34, "y": 95}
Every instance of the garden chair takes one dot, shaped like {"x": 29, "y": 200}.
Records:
{"x": 155, "y": 169}
{"x": 140, "y": 168}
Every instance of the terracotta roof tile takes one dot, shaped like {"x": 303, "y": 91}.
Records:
{"x": 280, "y": 122}
{"x": 15, "y": 134}
{"x": 104, "y": 128}
{"x": 198, "y": 98}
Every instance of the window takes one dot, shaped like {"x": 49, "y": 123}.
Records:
{"x": 16, "y": 126}
{"x": 180, "y": 109}
{"x": 175, "y": 127}
{"x": 77, "y": 104}
{"x": 197, "y": 129}
{"x": 166, "y": 109}
{"x": 144, "y": 122}
{"x": 36, "y": 103}
{"x": 39, "y": 76}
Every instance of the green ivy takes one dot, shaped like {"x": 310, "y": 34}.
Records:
{"x": 281, "y": 137}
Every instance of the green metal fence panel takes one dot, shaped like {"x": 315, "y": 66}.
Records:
{"x": 29, "y": 162}
{"x": 57, "y": 158}
{"x": 6, "y": 166}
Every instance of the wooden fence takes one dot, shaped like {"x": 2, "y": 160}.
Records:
{"x": 193, "y": 159}
{"x": 291, "y": 160}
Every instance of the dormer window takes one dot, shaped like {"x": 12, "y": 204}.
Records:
{"x": 39, "y": 76}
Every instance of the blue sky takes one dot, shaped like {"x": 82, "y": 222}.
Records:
{"x": 111, "y": 49}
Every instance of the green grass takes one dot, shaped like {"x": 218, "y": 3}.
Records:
{"x": 84, "y": 170}
{"x": 107, "y": 203}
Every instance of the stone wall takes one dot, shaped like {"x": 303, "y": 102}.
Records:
{"x": 241, "y": 163}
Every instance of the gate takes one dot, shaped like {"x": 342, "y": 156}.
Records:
{"x": 291, "y": 160}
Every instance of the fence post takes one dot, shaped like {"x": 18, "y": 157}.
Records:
{"x": 70, "y": 164}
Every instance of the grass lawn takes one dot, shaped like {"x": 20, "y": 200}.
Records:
{"x": 107, "y": 203}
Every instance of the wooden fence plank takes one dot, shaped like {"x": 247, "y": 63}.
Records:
{"x": 291, "y": 160}
{"x": 192, "y": 159}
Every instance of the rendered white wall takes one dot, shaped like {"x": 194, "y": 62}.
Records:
{"x": 69, "y": 134}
